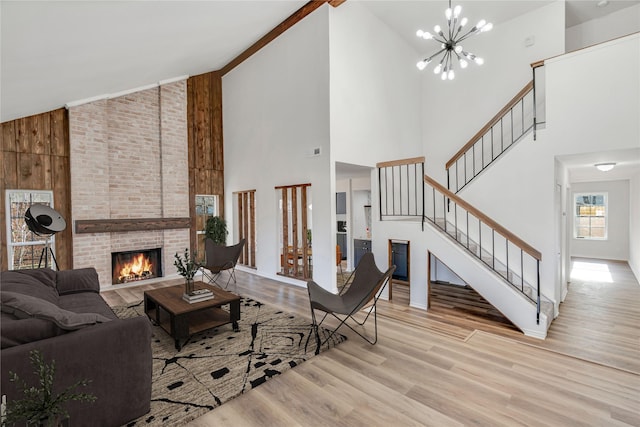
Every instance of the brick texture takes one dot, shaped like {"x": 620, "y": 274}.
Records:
{"x": 129, "y": 160}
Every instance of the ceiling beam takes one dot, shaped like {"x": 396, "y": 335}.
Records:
{"x": 293, "y": 19}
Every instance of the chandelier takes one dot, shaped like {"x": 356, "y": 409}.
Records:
{"x": 450, "y": 40}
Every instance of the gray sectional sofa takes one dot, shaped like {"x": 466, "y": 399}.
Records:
{"x": 61, "y": 314}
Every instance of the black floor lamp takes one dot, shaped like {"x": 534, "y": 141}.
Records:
{"x": 45, "y": 221}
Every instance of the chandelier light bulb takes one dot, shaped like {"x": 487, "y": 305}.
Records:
{"x": 463, "y": 63}
{"x": 447, "y": 13}
{"x": 427, "y": 35}
{"x": 458, "y": 49}
{"x": 463, "y": 22}
{"x": 443, "y": 76}
{"x": 437, "y": 29}
{"x": 487, "y": 27}
{"x": 437, "y": 69}
{"x": 479, "y": 61}
{"x": 456, "y": 11}
{"x": 421, "y": 65}
{"x": 419, "y": 33}
{"x": 451, "y": 75}
{"x": 481, "y": 24}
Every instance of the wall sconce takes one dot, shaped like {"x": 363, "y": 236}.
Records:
{"x": 605, "y": 167}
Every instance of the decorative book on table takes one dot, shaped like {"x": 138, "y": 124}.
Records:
{"x": 198, "y": 295}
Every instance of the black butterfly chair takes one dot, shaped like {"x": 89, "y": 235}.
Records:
{"x": 221, "y": 258}
{"x": 367, "y": 283}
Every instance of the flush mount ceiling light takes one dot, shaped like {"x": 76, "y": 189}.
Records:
{"x": 605, "y": 167}
{"x": 450, "y": 46}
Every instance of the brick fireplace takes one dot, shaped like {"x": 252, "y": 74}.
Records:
{"x": 129, "y": 165}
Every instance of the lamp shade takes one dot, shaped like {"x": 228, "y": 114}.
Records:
{"x": 43, "y": 220}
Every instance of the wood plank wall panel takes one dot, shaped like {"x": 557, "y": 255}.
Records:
{"x": 295, "y": 260}
{"x": 35, "y": 156}
{"x": 246, "y": 221}
{"x": 206, "y": 155}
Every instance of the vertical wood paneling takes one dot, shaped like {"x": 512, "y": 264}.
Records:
{"x": 245, "y": 219}
{"x": 204, "y": 123}
{"x": 294, "y": 228}
{"x": 296, "y": 253}
{"x": 285, "y": 230}
{"x": 252, "y": 228}
{"x": 35, "y": 156}
{"x": 8, "y": 137}
{"x": 244, "y": 214}
{"x": 217, "y": 147}
{"x": 305, "y": 247}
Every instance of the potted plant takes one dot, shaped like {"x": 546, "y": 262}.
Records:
{"x": 41, "y": 406}
{"x": 187, "y": 267}
{"x": 216, "y": 230}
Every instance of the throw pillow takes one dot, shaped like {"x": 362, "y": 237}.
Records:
{"x": 25, "y": 306}
{"x": 78, "y": 280}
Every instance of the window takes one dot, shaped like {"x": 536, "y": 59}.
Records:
{"x": 590, "y": 216}
{"x": 206, "y": 206}
{"x": 25, "y": 248}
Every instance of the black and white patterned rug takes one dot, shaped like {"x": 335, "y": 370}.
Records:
{"x": 220, "y": 364}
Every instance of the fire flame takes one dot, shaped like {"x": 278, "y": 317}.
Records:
{"x": 136, "y": 268}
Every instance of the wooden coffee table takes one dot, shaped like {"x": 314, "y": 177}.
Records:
{"x": 181, "y": 319}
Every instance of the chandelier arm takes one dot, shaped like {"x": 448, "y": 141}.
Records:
{"x": 439, "y": 40}
{"x": 429, "y": 59}
{"x": 471, "y": 32}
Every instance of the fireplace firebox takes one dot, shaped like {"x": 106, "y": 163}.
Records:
{"x": 133, "y": 266}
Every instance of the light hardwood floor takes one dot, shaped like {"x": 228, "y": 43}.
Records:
{"x": 432, "y": 368}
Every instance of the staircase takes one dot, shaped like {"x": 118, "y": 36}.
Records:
{"x": 499, "y": 265}
{"x": 496, "y": 263}
{"x": 512, "y": 123}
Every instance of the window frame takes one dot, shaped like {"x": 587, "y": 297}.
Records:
{"x": 42, "y": 240}
{"x": 576, "y": 216}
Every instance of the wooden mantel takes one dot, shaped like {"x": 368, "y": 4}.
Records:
{"x": 130, "y": 224}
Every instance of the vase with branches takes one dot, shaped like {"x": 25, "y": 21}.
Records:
{"x": 187, "y": 267}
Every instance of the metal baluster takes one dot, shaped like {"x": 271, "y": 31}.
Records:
{"x": 493, "y": 249}
{"x": 380, "y": 192}
{"x": 468, "y": 230}
{"x": 538, "y": 299}
{"x": 393, "y": 185}
{"x": 433, "y": 192}
{"x": 507, "y": 247}
{"x": 511, "y": 115}
{"x": 423, "y": 201}
{"x": 473, "y": 158}
{"x": 455, "y": 219}
{"x": 521, "y": 270}
{"x": 480, "y": 238}
{"x": 522, "y": 104}
{"x": 501, "y": 135}
{"x": 444, "y": 211}
{"x": 465, "y": 168}
{"x": 492, "y": 158}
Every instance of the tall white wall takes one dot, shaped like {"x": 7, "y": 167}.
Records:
{"x": 453, "y": 111}
{"x": 616, "y": 246}
{"x": 620, "y": 23}
{"x": 375, "y": 96}
{"x": 275, "y": 110}
{"x": 634, "y": 225}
